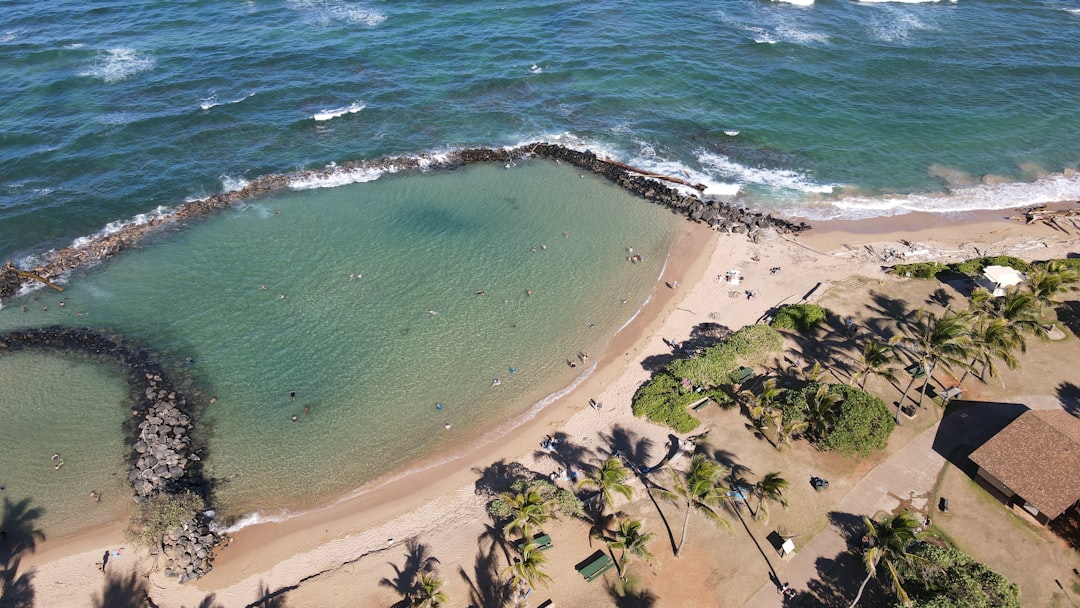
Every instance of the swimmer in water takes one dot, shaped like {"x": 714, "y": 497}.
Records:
{"x": 496, "y": 382}
{"x": 446, "y": 426}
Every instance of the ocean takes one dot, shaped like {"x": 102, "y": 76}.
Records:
{"x": 112, "y": 111}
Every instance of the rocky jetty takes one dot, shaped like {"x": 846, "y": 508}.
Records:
{"x": 719, "y": 214}
{"x": 163, "y": 459}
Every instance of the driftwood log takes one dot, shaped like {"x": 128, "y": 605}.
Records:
{"x": 643, "y": 173}
{"x": 1049, "y": 217}
{"x": 10, "y": 268}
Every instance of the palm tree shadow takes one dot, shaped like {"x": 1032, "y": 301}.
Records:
{"x": 267, "y": 598}
{"x": 1069, "y": 395}
{"x": 627, "y": 595}
{"x": 486, "y": 588}
{"x": 837, "y": 583}
{"x": 634, "y": 449}
{"x": 565, "y": 453}
{"x": 417, "y": 560}
{"x": 497, "y": 477}
{"x": 18, "y": 535}
{"x": 123, "y": 591}
{"x": 851, "y": 527}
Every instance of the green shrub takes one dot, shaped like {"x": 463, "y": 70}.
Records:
{"x": 975, "y": 266}
{"x": 857, "y": 424}
{"x": 704, "y": 370}
{"x": 160, "y": 513}
{"x": 918, "y": 270}
{"x": 564, "y": 502}
{"x": 755, "y": 342}
{"x": 1070, "y": 263}
{"x": 944, "y": 577}
{"x": 800, "y": 317}
{"x": 663, "y": 400}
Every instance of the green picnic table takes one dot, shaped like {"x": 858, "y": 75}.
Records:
{"x": 595, "y": 565}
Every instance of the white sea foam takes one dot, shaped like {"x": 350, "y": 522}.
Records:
{"x": 535, "y": 69}
{"x": 774, "y": 178}
{"x": 233, "y": 184}
{"x": 212, "y": 101}
{"x": 335, "y": 177}
{"x": 115, "y": 65}
{"x": 901, "y": 1}
{"x": 325, "y": 12}
{"x": 352, "y": 108}
{"x": 114, "y": 227}
{"x": 1048, "y": 189}
{"x": 731, "y": 132}
{"x": 797, "y": 2}
{"x": 8, "y": 36}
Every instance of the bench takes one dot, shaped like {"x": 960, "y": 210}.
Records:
{"x": 742, "y": 375}
{"x": 542, "y": 542}
{"x": 700, "y": 404}
{"x": 595, "y": 565}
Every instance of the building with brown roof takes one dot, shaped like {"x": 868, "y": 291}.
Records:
{"x": 1034, "y": 463}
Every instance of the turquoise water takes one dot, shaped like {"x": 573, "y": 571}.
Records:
{"x": 52, "y": 404}
{"x": 362, "y": 269}
{"x": 839, "y": 109}
{"x": 114, "y": 109}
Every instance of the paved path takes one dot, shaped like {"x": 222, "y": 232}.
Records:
{"x": 906, "y": 477}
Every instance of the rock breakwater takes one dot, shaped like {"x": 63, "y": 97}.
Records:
{"x": 164, "y": 460}
{"x": 719, "y": 214}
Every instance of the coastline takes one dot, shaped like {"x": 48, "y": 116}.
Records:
{"x": 279, "y": 555}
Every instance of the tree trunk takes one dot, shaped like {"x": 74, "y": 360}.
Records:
{"x": 685, "y": 524}
{"x": 858, "y": 596}
{"x": 929, "y": 376}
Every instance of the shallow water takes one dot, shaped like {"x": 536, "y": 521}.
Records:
{"x": 371, "y": 314}
{"x": 52, "y": 403}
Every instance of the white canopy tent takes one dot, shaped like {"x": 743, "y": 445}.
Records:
{"x": 1000, "y": 278}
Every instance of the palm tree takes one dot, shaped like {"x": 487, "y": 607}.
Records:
{"x": 875, "y": 360}
{"x": 786, "y": 430}
{"x": 698, "y": 489}
{"x": 888, "y": 542}
{"x": 610, "y": 479}
{"x": 629, "y": 540}
{"x": 1048, "y": 280}
{"x": 761, "y": 405}
{"x": 934, "y": 341}
{"x": 530, "y": 510}
{"x": 770, "y": 487}
{"x": 1022, "y": 310}
{"x": 527, "y": 570}
{"x": 428, "y": 592}
{"x": 994, "y": 338}
{"x": 821, "y": 411}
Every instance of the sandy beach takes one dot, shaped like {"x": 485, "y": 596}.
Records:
{"x": 348, "y": 553}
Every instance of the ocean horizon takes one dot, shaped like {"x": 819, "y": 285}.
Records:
{"x": 835, "y": 110}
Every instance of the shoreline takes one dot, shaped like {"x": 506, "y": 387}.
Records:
{"x": 319, "y": 541}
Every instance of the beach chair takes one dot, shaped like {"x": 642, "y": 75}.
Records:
{"x": 542, "y": 542}
{"x": 595, "y": 565}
